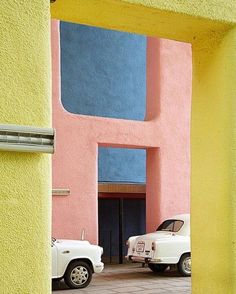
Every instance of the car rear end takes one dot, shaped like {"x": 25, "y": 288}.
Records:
{"x": 141, "y": 250}
{"x": 146, "y": 248}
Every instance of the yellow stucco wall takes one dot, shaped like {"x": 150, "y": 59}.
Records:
{"x": 213, "y": 155}
{"x": 25, "y": 179}
{"x": 216, "y": 10}
{"x": 183, "y": 20}
{"x": 209, "y": 26}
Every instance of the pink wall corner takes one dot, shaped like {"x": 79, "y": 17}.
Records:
{"x": 78, "y": 136}
{"x": 168, "y": 168}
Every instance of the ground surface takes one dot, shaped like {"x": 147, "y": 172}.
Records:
{"x": 131, "y": 278}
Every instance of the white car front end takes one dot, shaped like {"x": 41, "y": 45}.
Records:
{"x": 84, "y": 256}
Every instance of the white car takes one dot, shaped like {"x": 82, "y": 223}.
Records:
{"x": 169, "y": 245}
{"x": 75, "y": 261}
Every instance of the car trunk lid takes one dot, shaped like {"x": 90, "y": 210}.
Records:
{"x": 143, "y": 246}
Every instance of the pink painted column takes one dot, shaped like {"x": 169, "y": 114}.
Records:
{"x": 153, "y": 189}
{"x": 169, "y": 74}
{"x": 74, "y": 166}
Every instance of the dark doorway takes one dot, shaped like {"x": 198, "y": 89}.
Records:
{"x": 119, "y": 218}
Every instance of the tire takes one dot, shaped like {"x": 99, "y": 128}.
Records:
{"x": 157, "y": 268}
{"x": 56, "y": 284}
{"x": 78, "y": 275}
{"x": 184, "y": 265}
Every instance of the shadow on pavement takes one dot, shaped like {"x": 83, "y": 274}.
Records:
{"x": 120, "y": 272}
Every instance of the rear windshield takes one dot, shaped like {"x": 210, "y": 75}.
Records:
{"x": 171, "y": 225}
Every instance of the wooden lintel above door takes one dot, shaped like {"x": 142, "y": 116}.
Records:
{"x": 110, "y": 187}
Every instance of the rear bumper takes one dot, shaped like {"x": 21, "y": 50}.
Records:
{"x": 143, "y": 259}
{"x": 98, "y": 267}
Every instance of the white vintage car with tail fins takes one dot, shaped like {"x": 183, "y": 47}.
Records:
{"x": 169, "y": 245}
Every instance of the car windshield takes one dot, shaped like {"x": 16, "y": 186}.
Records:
{"x": 171, "y": 225}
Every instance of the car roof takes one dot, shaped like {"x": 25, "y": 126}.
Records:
{"x": 184, "y": 217}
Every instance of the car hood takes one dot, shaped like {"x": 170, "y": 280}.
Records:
{"x": 65, "y": 242}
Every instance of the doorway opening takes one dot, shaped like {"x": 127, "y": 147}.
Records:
{"x": 121, "y": 200}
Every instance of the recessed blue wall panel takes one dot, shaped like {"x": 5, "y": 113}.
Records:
{"x": 121, "y": 165}
{"x": 103, "y": 73}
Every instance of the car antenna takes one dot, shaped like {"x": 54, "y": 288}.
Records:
{"x": 82, "y": 234}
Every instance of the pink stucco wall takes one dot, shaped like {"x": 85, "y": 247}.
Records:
{"x": 164, "y": 133}
{"x": 169, "y": 72}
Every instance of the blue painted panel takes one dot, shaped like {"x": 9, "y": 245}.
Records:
{"x": 103, "y": 72}
{"x": 121, "y": 165}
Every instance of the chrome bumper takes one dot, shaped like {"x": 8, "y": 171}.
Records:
{"x": 143, "y": 259}
{"x": 98, "y": 267}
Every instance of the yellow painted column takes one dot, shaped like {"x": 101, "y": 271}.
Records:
{"x": 213, "y": 196}
{"x": 25, "y": 179}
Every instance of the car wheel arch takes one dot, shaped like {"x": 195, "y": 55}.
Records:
{"x": 187, "y": 252}
{"x": 86, "y": 260}
{"x": 184, "y": 265}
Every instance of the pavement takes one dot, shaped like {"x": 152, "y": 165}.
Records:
{"x": 128, "y": 279}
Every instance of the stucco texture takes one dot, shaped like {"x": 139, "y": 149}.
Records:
{"x": 103, "y": 72}
{"x": 75, "y": 166}
{"x": 25, "y": 179}
{"x": 208, "y": 25}
{"x": 213, "y": 165}
{"x": 107, "y": 82}
{"x": 121, "y": 165}
{"x": 220, "y": 10}
{"x": 187, "y": 21}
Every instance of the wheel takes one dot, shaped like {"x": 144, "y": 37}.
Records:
{"x": 184, "y": 265}
{"x": 157, "y": 268}
{"x": 78, "y": 275}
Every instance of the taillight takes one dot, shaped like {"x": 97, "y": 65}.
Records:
{"x": 127, "y": 243}
{"x": 154, "y": 246}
